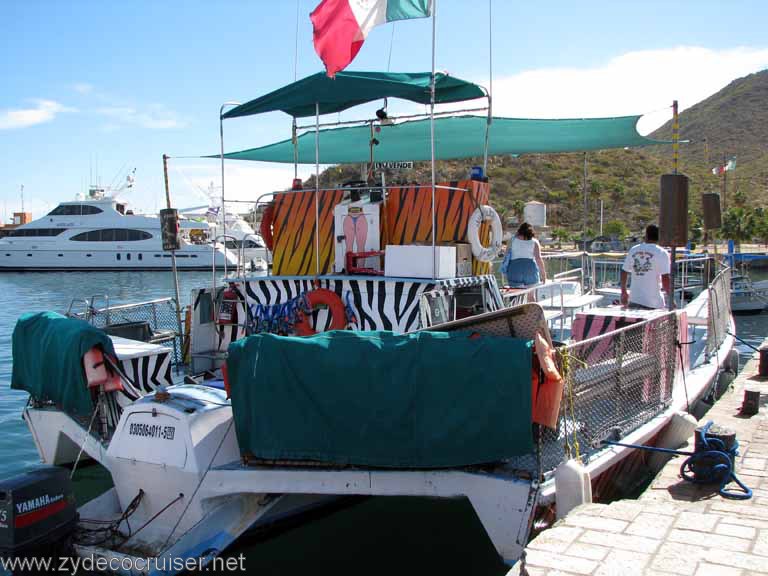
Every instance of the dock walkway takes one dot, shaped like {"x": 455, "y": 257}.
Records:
{"x": 675, "y": 527}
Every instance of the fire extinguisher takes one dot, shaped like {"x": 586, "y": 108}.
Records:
{"x": 228, "y": 309}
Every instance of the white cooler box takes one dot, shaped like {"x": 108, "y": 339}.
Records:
{"x": 416, "y": 261}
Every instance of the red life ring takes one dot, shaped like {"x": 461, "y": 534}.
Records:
{"x": 265, "y": 228}
{"x": 335, "y": 307}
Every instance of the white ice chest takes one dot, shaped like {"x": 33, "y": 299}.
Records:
{"x": 410, "y": 261}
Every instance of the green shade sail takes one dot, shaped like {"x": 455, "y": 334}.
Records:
{"x": 349, "y": 89}
{"x": 455, "y": 137}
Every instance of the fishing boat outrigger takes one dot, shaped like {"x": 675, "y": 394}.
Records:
{"x": 433, "y": 388}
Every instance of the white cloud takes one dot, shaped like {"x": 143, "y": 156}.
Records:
{"x": 83, "y": 88}
{"x": 155, "y": 117}
{"x": 43, "y": 111}
{"x": 632, "y": 83}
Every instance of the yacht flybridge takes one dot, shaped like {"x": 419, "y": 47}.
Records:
{"x": 379, "y": 358}
{"x": 100, "y": 233}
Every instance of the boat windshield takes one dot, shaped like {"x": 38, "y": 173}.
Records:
{"x": 75, "y": 210}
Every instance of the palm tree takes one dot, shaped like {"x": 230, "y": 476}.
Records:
{"x": 738, "y": 225}
{"x": 518, "y": 207}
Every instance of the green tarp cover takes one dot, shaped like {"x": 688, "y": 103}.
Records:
{"x": 48, "y": 351}
{"x": 425, "y": 400}
{"x": 350, "y": 89}
{"x": 455, "y": 137}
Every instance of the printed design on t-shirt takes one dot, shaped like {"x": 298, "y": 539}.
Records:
{"x": 642, "y": 262}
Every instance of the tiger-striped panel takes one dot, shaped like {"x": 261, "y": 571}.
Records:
{"x": 293, "y": 230}
{"x": 409, "y": 215}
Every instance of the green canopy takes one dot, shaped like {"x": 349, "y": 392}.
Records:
{"x": 455, "y": 137}
{"x": 349, "y": 89}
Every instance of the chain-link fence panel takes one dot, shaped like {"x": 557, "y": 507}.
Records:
{"x": 154, "y": 321}
{"x": 719, "y": 319}
{"x": 614, "y": 383}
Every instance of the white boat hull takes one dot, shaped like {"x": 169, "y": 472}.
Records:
{"x": 189, "y": 258}
{"x": 198, "y": 498}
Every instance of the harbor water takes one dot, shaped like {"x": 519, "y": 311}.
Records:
{"x": 375, "y": 536}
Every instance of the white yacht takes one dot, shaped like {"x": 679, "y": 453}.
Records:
{"x": 99, "y": 233}
{"x": 241, "y": 238}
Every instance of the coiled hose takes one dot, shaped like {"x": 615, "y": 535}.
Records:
{"x": 712, "y": 463}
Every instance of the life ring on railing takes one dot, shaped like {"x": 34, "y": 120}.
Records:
{"x": 335, "y": 306}
{"x": 265, "y": 228}
{"x": 481, "y": 214}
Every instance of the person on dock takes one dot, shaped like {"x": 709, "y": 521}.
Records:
{"x": 523, "y": 265}
{"x": 649, "y": 265}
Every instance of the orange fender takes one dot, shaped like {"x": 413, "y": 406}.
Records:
{"x": 547, "y": 392}
{"x": 265, "y": 228}
{"x": 98, "y": 373}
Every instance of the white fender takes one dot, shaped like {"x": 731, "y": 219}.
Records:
{"x": 490, "y": 252}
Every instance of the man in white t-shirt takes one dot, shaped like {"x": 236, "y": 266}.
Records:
{"x": 649, "y": 265}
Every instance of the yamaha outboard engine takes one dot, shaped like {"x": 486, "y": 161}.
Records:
{"x": 38, "y": 514}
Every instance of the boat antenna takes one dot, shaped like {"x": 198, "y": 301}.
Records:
{"x": 432, "y": 135}
{"x": 490, "y": 48}
{"x": 296, "y": 49}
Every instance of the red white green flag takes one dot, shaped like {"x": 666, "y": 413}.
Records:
{"x": 727, "y": 167}
{"x": 341, "y": 26}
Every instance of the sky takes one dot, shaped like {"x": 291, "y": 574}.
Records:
{"x": 91, "y": 90}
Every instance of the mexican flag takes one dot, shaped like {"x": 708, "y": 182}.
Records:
{"x": 727, "y": 167}
{"x": 341, "y": 26}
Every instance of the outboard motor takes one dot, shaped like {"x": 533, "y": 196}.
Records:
{"x": 38, "y": 514}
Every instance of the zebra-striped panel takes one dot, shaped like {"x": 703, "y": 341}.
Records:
{"x": 139, "y": 377}
{"x": 377, "y": 303}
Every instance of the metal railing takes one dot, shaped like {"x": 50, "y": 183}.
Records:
{"x": 159, "y": 316}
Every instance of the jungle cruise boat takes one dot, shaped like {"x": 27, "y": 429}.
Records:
{"x": 379, "y": 357}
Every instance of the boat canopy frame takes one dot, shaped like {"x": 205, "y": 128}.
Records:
{"x": 328, "y": 95}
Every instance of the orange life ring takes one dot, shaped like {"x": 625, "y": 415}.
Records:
{"x": 265, "y": 228}
{"x": 335, "y": 307}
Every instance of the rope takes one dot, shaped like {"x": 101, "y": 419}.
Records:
{"x": 112, "y": 528}
{"x": 682, "y": 369}
{"x": 711, "y": 464}
{"x": 85, "y": 439}
{"x": 163, "y": 509}
{"x": 566, "y": 359}
{"x": 742, "y": 341}
{"x": 199, "y": 484}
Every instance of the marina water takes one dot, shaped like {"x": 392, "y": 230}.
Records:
{"x": 375, "y": 536}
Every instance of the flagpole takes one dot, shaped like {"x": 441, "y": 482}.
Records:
{"x": 317, "y": 188}
{"x": 432, "y": 137}
{"x": 725, "y": 185}
{"x": 223, "y": 208}
{"x": 490, "y": 87}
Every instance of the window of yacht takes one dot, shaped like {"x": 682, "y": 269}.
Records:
{"x": 128, "y": 256}
{"x": 36, "y": 232}
{"x": 112, "y": 235}
{"x": 75, "y": 210}
{"x": 140, "y": 258}
{"x": 118, "y": 256}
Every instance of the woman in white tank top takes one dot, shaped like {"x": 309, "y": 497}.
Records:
{"x": 523, "y": 265}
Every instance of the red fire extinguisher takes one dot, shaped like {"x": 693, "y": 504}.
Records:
{"x": 228, "y": 309}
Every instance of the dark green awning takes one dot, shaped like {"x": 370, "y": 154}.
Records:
{"x": 349, "y": 89}
{"x": 455, "y": 137}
